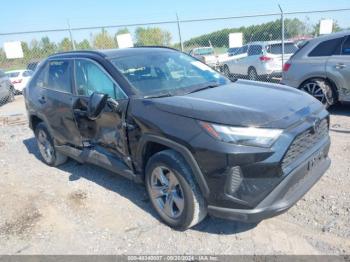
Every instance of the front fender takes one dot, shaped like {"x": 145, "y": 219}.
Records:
{"x": 186, "y": 154}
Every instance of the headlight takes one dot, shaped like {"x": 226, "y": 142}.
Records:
{"x": 250, "y": 136}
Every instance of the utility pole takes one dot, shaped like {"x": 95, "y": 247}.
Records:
{"x": 179, "y": 31}
{"x": 282, "y": 22}
{"x": 70, "y": 34}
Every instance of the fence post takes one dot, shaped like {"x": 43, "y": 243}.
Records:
{"x": 179, "y": 31}
{"x": 70, "y": 35}
{"x": 282, "y": 22}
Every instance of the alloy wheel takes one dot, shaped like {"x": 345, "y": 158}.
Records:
{"x": 316, "y": 91}
{"x": 166, "y": 192}
{"x": 45, "y": 147}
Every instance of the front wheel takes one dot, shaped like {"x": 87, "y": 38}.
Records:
{"x": 11, "y": 96}
{"x": 173, "y": 192}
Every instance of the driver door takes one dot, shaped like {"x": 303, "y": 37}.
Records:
{"x": 105, "y": 133}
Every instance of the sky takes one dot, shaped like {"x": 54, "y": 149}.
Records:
{"x": 42, "y": 14}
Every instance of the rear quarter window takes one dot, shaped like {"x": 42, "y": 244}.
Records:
{"x": 40, "y": 77}
{"x": 276, "y": 49}
{"x": 327, "y": 48}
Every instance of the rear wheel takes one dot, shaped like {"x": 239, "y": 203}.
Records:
{"x": 11, "y": 96}
{"x": 321, "y": 90}
{"x": 47, "y": 148}
{"x": 227, "y": 70}
{"x": 173, "y": 192}
{"x": 252, "y": 74}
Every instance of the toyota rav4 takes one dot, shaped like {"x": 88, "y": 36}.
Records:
{"x": 200, "y": 142}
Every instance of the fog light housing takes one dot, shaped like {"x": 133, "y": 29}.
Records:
{"x": 234, "y": 180}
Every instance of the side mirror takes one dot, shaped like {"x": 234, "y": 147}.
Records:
{"x": 96, "y": 104}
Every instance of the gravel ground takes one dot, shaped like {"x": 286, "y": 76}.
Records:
{"x": 82, "y": 209}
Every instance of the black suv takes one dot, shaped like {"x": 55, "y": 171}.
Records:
{"x": 200, "y": 142}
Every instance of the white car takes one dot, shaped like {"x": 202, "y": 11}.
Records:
{"x": 259, "y": 60}
{"x": 19, "y": 79}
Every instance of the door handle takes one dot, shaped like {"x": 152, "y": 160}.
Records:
{"x": 42, "y": 100}
{"x": 340, "y": 66}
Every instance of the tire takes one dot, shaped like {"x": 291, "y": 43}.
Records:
{"x": 11, "y": 96}
{"x": 252, "y": 74}
{"x": 189, "y": 209}
{"x": 321, "y": 90}
{"x": 47, "y": 148}
{"x": 226, "y": 71}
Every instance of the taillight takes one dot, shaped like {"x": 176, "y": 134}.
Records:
{"x": 286, "y": 67}
{"x": 264, "y": 58}
{"x": 18, "y": 81}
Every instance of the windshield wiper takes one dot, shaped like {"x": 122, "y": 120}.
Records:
{"x": 159, "y": 95}
{"x": 204, "y": 88}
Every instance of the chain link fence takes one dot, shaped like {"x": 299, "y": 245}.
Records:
{"x": 268, "y": 40}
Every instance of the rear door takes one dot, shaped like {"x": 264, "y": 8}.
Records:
{"x": 338, "y": 69}
{"x": 235, "y": 64}
{"x": 254, "y": 53}
{"x": 107, "y": 132}
{"x": 54, "y": 100}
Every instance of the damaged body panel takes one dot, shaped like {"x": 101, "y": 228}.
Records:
{"x": 153, "y": 114}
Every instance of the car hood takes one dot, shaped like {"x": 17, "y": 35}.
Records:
{"x": 244, "y": 103}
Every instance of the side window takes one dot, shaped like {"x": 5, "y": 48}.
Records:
{"x": 60, "y": 77}
{"x": 27, "y": 73}
{"x": 345, "y": 50}
{"x": 242, "y": 50}
{"x": 255, "y": 50}
{"x": 90, "y": 78}
{"x": 40, "y": 78}
{"x": 327, "y": 48}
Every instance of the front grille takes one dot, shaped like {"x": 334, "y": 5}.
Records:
{"x": 303, "y": 142}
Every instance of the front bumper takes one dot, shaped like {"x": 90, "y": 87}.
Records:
{"x": 283, "y": 196}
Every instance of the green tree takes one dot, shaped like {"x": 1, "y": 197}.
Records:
{"x": 35, "y": 50}
{"x": 152, "y": 36}
{"x": 103, "y": 40}
{"x": 261, "y": 32}
{"x": 65, "y": 45}
{"x": 83, "y": 45}
{"x": 47, "y": 47}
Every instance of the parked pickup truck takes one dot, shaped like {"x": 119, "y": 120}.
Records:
{"x": 206, "y": 55}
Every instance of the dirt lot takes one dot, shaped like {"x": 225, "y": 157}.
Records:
{"x": 82, "y": 209}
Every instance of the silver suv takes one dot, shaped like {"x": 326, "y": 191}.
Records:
{"x": 6, "y": 89}
{"x": 259, "y": 60}
{"x": 321, "y": 67}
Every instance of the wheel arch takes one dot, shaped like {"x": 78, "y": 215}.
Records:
{"x": 251, "y": 67}
{"x": 323, "y": 78}
{"x": 34, "y": 120}
{"x": 151, "y": 144}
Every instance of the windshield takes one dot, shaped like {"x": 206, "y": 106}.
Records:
{"x": 289, "y": 48}
{"x": 157, "y": 73}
